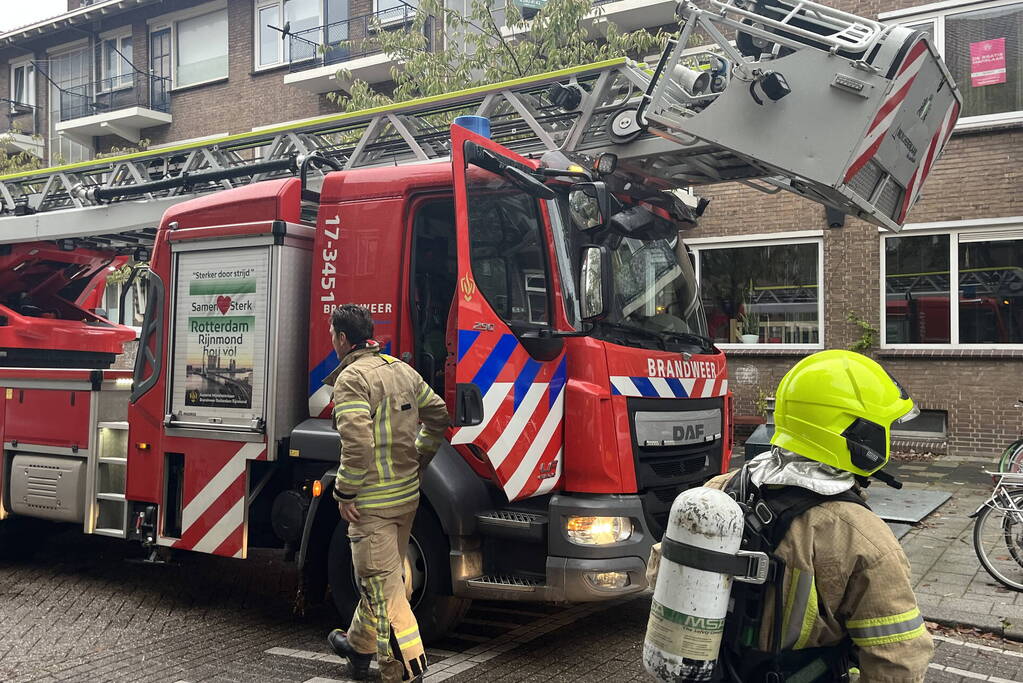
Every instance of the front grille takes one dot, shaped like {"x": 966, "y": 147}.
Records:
{"x": 663, "y": 472}
{"x": 657, "y": 506}
{"x": 665, "y": 496}
{"x": 679, "y": 467}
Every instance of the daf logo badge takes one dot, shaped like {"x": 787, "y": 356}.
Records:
{"x": 688, "y": 432}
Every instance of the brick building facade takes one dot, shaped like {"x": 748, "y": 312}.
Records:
{"x": 775, "y": 258}
{"x": 967, "y": 387}
{"x": 87, "y": 82}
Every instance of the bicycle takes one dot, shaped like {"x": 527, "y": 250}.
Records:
{"x": 1012, "y": 456}
{"x": 998, "y": 530}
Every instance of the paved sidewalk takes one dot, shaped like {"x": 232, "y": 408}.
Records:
{"x": 951, "y": 585}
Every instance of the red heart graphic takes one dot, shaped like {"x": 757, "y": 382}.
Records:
{"x": 224, "y": 303}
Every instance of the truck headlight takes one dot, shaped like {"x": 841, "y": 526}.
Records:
{"x": 598, "y": 530}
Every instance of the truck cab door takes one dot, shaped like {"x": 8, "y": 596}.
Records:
{"x": 506, "y": 373}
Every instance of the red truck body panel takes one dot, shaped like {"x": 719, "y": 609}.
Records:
{"x": 49, "y": 297}
{"x": 211, "y": 512}
{"x": 48, "y": 417}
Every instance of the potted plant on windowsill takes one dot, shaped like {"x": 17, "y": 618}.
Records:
{"x": 749, "y": 325}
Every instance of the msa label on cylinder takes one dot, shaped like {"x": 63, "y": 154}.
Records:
{"x": 684, "y": 635}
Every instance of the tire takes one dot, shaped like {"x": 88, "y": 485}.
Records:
{"x": 1012, "y": 458}
{"x": 998, "y": 542}
{"x": 436, "y": 610}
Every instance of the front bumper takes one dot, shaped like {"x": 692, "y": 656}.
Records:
{"x": 568, "y": 565}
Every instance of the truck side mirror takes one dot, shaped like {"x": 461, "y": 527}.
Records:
{"x": 589, "y": 204}
{"x": 595, "y": 283}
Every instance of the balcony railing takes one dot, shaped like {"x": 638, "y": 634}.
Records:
{"x": 350, "y": 39}
{"x": 112, "y": 94}
{"x": 18, "y": 118}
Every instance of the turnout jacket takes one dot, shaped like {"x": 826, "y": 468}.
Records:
{"x": 845, "y": 575}
{"x": 379, "y": 402}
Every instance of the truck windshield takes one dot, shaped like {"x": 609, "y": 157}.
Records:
{"x": 653, "y": 288}
{"x": 656, "y": 301}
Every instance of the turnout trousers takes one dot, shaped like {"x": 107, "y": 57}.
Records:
{"x": 383, "y": 621}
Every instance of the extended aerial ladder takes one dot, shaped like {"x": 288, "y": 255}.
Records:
{"x": 842, "y": 110}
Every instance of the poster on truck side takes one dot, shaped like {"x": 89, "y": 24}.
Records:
{"x": 220, "y": 335}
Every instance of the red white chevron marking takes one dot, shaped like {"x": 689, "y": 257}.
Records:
{"x": 213, "y": 520}
{"x": 933, "y": 151}
{"x": 883, "y": 120}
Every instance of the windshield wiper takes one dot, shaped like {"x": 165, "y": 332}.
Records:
{"x": 705, "y": 343}
{"x": 634, "y": 329}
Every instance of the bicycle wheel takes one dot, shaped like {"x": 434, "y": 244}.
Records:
{"x": 998, "y": 540}
{"x": 1012, "y": 458}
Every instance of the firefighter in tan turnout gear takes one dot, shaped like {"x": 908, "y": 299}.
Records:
{"x": 840, "y": 592}
{"x": 379, "y": 403}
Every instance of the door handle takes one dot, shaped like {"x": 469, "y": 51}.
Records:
{"x": 468, "y": 405}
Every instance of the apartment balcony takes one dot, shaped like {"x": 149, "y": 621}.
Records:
{"x": 19, "y": 128}
{"x": 630, "y": 15}
{"x": 316, "y": 55}
{"x": 627, "y": 15}
{"x": 123, "y": 106}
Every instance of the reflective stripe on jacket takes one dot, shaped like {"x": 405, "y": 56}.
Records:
{"x": 845, "y": 575}
{"x": 379, "y": 402}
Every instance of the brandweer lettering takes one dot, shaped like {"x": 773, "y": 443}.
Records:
{"x": 372, "y": 308}
{"x": 699, "y": 369}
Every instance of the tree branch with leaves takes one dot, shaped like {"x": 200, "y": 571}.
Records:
{"x": 475, "y": 49}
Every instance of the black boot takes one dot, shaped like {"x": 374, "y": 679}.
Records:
{"x": 338, "y": 641}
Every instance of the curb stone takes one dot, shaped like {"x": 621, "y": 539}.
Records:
{"x": 985, "y": 623}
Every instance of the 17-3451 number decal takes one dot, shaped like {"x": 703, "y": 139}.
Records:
{"x": 327, "y": 281}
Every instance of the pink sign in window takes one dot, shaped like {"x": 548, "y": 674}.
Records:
{"x": 987, "y": 62}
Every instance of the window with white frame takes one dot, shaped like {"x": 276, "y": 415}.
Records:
{"x": 23, "y": 85}
{"x": 921, "y": 271}
{"x": 765, "y": 292}
{"x": 195, "y": 44}
{"x": 269, "y": 41}
{"x": 980, "y": 43}
{"x": 116, "y": 69}
{"x": 201, "y": 49}
{"x": 304, "y": 19}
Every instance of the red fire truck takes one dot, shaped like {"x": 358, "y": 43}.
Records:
{"x": 548, "y": 300}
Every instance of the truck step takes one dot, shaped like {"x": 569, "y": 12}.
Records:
{"x": 513, "y": 524}
{"x": 506, "y": 583}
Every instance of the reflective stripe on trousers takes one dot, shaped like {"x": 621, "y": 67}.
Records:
{"x": 383, "y": 621}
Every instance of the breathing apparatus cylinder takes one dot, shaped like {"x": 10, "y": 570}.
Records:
{"x": 687, "y": 616}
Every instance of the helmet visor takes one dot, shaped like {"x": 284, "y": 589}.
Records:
{"x": 913, "y": 412}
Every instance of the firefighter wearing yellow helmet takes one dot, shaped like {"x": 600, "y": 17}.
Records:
{"x": 839, "y": 594}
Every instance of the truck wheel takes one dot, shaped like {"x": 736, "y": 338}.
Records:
{"x": 436, "y": 610}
